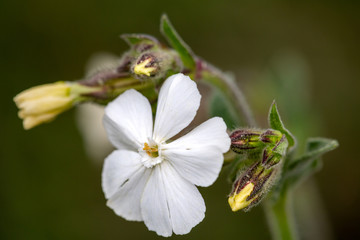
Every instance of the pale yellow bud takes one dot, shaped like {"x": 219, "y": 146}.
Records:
{"x": 43, "y": 103}
{"x": 34, "y": 120}
{"x": 51, "y": 89}
{"x": 238, "y": 201}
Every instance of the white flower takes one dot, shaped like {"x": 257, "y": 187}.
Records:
{"x": 150, "y": 179}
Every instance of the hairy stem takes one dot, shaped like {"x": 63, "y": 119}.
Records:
{"x": 280, "y": 218}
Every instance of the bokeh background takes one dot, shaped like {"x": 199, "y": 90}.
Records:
{"x": 305, "y": 54}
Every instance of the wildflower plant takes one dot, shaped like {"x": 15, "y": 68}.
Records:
{"x": 152, "y": 175}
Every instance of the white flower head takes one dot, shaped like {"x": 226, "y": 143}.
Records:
{"x": 151, "y": 179}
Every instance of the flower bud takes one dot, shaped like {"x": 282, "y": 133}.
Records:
{"x": 271, "y": 136}
{"x": 245, "y": 140}
{"x": 251, "y": 186}
{"x": 255, "y": 180}
{"x": 273, "y": 153}
{"x": 43, "y": 103}
{"x": 146, "y": 65}
{"x": 156, "y": 64}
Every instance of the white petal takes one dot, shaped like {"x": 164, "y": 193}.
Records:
{"x": 123, "y": 180}
{"x": 200, "y": 166}
{"x": 118, "y": 167}
{"x": 198, "y": 156}
{"x": 171, "y": 203}
{"x": 154, "y": 207}
{"x": 186, "y": 205}
{"x": 128, "y": 120}
{"x": 211, "y": 133}
{"x": 179, "y": 99}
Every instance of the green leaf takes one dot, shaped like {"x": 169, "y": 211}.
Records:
{"x": 310, "y": 162}
{"x": 276, "y": 123}
{"x": 176, "y": 42}
{"x": 134, "y": 39}
{"x": 219, "y": 107}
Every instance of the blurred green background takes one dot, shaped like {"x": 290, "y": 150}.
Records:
{"x": 306, "y": 54}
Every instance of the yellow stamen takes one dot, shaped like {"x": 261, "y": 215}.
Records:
{"x": 151, "y": 151}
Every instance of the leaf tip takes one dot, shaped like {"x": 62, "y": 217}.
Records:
{"x": 334, "y": 144}
{"x": 276, "y": 123}
{"x": 273, "y": 108}
{"x": 164, "y": 17}
{"x": 164, "y": 20}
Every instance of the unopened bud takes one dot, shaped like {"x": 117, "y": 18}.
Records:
{"x": 273, "y": 153}
{"x": 146, "y": 65}
{"x": 251, "y": 186}
{"x": 271, "y": 136}
{"x": 43, "y": 103}
{"x": 156, "y": 64}
{"x": 245, "y": 140}
{"x": 255, "y": 180}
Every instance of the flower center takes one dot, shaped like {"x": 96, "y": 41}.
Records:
{"x": 151, "y": 154}
{"x": 151, "y": 151}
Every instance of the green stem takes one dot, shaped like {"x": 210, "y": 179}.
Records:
{"x": 280, "y": 218}
{"x": 230, "y": 89}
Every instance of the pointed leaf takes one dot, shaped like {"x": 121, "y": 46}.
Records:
{"x": 315, "y": 147}
{"x": 276, "y": 123}
{"x": 140, "y": 43}
{"x": 133, "y": 39}
{"x": 310, "y": 162}
{"x": 175, "y": 41}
